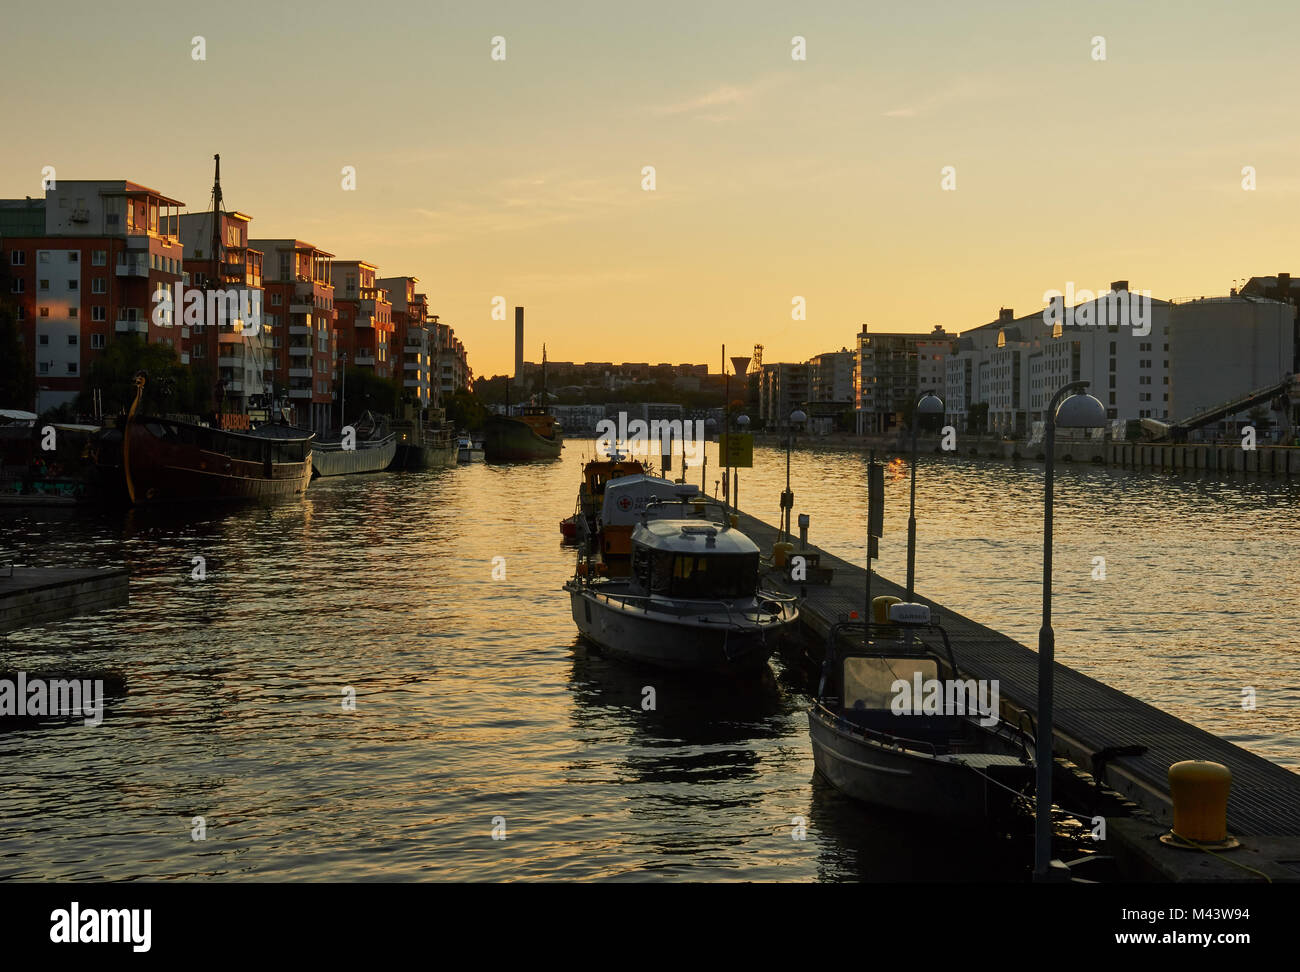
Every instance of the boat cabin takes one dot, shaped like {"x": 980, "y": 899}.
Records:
{"x": 598, "y": 473}
{"x": 694, "y": 560}
{"x": 625, "y": 504}
{"x": 540, "y": 420}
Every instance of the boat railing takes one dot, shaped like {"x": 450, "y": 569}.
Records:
{"x": 363, "y": 443}
{"x": 647, "y": 600}
{"x": 886, "y": 738}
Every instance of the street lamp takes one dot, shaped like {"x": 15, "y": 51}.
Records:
{"x": 797, "y": 417}
{"x": 743, "y": 422}
{"x": 1078, "y": 411}
{"x": 930, "y": 404}
{"x": 710, "y": 426}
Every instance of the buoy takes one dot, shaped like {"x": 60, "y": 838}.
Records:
{"x": 880, "y": 608}
{"x": 781, "y": 552}
{"x": 1199, "y": 790}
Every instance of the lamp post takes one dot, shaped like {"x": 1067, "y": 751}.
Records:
{"x": 710, "y": 426}
{"x": 930, "y": 404}
{"x": 797, "y": 417}
{"x": 1078, "y": 411}
{"x": 343, "y": 399}
{"x": 743, "y": 422}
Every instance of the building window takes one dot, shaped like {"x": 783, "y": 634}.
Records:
{"x": 275, "y": 300}
{"x": 72, "y": 313}
{"x": 72, "y": 284}
{"x": 73, "y": 256}
{"x": 72, "y": 367}
{"x": 72, "y": 340}
{"x": 43, "y": 340}
{"x": 45, "y": 312}
{"x": 43, "y": 256}
{"x": 45, "y": 368}
{"x": 97, "y": 313}
{"x": 43, "y": 285}
{"x": 18, "y": 286}
{"x": 97, "y": 341}
{"x": 18, "y": 258}
{"x": 98, "y": 286}
{"x": 99, "y": 258}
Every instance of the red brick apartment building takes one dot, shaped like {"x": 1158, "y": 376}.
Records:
{"x": 365, "y": 317}
{"x": 107, "y": 246}
{"x": 303, "y": 343}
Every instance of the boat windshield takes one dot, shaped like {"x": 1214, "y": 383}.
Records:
{"x": 869, "y": 681}
{"x": 708, "y": 576}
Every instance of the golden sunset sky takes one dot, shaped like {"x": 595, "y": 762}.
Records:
{"x": 775, "y": 178}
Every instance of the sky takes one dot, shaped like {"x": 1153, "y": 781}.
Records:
{"x": 774, "y": 178}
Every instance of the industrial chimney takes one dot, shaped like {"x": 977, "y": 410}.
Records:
{"x": 519, "y": 345}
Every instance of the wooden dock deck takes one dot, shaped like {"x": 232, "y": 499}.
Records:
{"x": 1090, "y": 717}
{"x": 38, "y": 595}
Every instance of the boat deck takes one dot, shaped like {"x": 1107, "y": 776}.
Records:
{"x": 31, "y": 596}
{"x": 1090, "y": 718}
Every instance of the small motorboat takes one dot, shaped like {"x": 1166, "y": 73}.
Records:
{"x": 569, "y": 528}
{"x": 690, "y": 602}
{"x": 895, "y": 726}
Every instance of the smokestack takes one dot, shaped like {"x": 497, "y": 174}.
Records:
{"x": 1006, "y": 314}
{"x": 1119, "y": 286}
{"x": 519, "y": 344}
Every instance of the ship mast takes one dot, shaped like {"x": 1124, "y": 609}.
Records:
{"x": 543, "y": 375}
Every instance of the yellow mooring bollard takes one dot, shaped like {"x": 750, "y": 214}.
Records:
{"x": 880, "y": 608}
{"x": 1199, "y": 790}
{"x": 781, "y": 553}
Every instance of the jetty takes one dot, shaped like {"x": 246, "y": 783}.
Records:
{"x": 1102, "y": 738}
{"x": 31, "y": 596}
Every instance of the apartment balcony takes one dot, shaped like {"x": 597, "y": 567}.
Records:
{"x": 234, "y": 387}
{"x": 414, "y": 383}
{"x": 300, "y": 307}
{"x": 140, "y": 326}
{"x": 301, "y": 330}
{"x": 300, "y": 372}
{"x": 303, "y": 288}
{"x": 365, "y": 359}
{"x": 234, "y": 334}
{"x": 364, "y": 320}
{"x": 297, "y": 351}
{"x": 230, "y": 361}
{"x": 300, "y": 393}
{"x": 134, "y": 268}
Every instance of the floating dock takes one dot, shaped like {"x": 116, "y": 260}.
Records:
{"x": 31, "y": 596}
{"x": 1091, "y": 723}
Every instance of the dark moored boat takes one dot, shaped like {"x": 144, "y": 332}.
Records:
{"x": 160, "y": 460}
{"x": 370, "y": 450}
{"x": 423, "y": 445}
{"x": 876, "y": 741}
{"x": 534, "y": 434}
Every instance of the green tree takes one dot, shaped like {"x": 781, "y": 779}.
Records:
{"x": 169, "y": 385}
{"x": 465, "y": 411}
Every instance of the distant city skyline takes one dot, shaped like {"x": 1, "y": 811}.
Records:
{"x": 774, "y": 178}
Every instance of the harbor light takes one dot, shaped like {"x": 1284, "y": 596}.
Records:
{"x": 930, "y": 404}
{"x": 797, "y": 417}
{"x": 1078, "y": 411}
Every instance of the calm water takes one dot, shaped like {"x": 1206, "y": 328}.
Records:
{"x": 474, "y": 699}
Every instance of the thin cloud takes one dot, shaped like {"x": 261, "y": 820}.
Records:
{"x": 724, "y": 96}
{"x": 961, "y": 90}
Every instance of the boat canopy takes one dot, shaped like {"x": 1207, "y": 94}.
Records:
{"x": 626, "y": 497}
{"x": 693, "y": 537}
{"x": 694, "y": 560}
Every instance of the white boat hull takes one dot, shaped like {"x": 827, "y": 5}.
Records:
{"x": 669, "y": 641}
{"x": 905, "y": 780}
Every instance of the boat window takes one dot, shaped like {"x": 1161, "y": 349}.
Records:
{"x": 868, "y": 682}
{"x": 714, "y": 575}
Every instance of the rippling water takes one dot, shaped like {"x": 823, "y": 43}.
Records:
{"x": 475, "y": 700}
